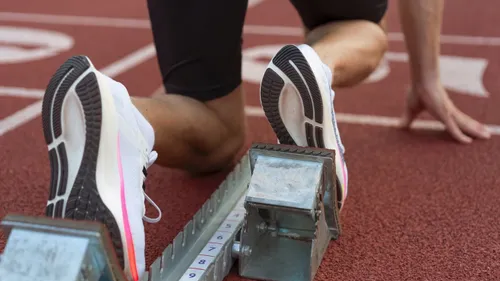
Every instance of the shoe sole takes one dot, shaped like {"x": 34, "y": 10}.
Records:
{"x": 271, "y": 91}
{"x": 73, "y": 189}
{"x": 290, "y": 77}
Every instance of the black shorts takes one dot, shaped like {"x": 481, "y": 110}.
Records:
{"x": 199, "y": 42}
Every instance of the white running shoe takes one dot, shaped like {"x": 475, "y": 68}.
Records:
{"x": 99, "y": 149}
{"x": 297, "y": 99}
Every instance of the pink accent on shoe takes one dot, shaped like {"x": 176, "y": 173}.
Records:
{"x": 128, "y": 233}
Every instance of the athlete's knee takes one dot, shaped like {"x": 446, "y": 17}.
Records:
{"x": 354, "y": 48}
{"x": 221, "y": 156}
{"x": 371, "y": 52}
{"x": 380, "y": 45}
{"x": 229, "y": 149}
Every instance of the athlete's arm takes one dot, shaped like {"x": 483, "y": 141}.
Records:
{"x": 421, "y": 24}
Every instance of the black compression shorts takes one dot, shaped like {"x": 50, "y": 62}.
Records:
{"x": 199, "y": 42}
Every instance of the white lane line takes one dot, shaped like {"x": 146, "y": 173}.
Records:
{"x": 114, "y": 69}
{"x": 253, "y": 3}
{"x": 392, "y": 36}
{"x": 21, "y": 92}
{"x": 74, "y": 20}
{"x": 34, "y": 110}
{"x": 20, "y": 117}
{"x": 130, "y": 61}
{"x": 273, "y": 30}
{"x": 374, "y": 120}
{"x": 86, "y": 20}
{"x": 248, "y": 29}
{"x": 455, "y": 39}
{"x": 356, "y": 119}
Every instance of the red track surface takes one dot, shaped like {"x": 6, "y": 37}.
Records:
{"x": 420, "y": 206}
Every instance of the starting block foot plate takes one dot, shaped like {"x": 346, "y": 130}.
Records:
{"x": 287, "y": 224}
{"x": 275, "y": 214}
{"x": 41, "y": 248}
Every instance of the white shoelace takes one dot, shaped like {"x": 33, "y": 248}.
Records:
{"x": 151, "y": 159}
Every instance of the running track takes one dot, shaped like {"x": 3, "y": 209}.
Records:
{"x": 421, "y": 207}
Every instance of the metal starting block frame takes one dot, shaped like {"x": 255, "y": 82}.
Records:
{"x": 291, "y": 212}
{"x": 275, "y": 214}
{"x": 45, "y": 249}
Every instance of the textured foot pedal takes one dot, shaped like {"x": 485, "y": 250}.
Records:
{"x": 40, "y": 248}
{"x": 331, "y": 191}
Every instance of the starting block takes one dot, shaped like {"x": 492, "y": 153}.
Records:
{"x": 275, "y": 214}
{"x": 44, "y": 249}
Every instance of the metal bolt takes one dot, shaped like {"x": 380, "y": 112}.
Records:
{"x": 246, "y": 250}
{"x": 262, "y": 227}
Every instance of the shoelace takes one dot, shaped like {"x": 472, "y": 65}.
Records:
{"x": 151, "y": 159}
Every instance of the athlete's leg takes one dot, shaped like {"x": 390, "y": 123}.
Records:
{"x": 193, "y": 135}
{"x": 200, "y": 124}
{"x": 349, "y": 36}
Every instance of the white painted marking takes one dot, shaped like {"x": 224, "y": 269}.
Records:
{"x": 21, "y": 44}
{"x": 248, "y": 29}
{"x": 253, "y": 3}
{"x": 381, "y": 72}
{"x": 86, "y": 20}
{"x": 130, "y": 61}
{"x": 253, "y": 69}
{"x": 20, "y": 117}
{"x": 455, "y": 39}
{"x": 392, "y": 36}
{"x": 21, "y": 92}
{"x": 355, "y": 119}
{"x": 254, "y": 111}
{"x": 461, "y": 74}
{"x": 55, "y": 43}
{"x": 374, "y": 120}
{"x": 74, "y": 20}
{"x": 34, "y": 110}
{"x": 273, "y": 30}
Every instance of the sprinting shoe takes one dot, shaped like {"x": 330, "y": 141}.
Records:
{"x": 297, "y": 99}
{"x": 100, "y": 147}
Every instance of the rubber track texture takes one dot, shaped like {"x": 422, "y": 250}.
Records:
{"x": 272, "y": 86}
{"x": 84, "y": 202}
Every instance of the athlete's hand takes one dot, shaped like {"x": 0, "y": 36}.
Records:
{"x": 436, "y": 101}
